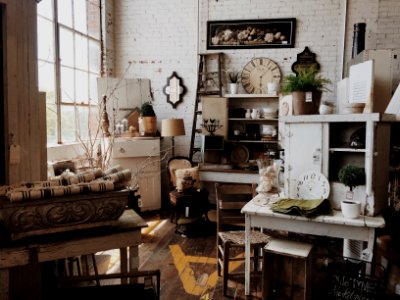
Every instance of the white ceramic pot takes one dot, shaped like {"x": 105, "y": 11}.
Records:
{"x": 233, "y": 88}
{"x": 351, "y": 209}
{"x": 272, "y": 88}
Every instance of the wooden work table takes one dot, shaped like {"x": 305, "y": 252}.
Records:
{"x": 223, "y": 174}
{"x": 124, "y": 235}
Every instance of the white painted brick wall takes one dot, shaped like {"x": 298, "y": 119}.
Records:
{"x": 160, "y": 37}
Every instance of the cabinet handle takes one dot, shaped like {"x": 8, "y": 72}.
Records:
{"x": 121, "y": 150}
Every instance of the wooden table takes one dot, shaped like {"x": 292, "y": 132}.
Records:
{"x": 125, "y": 235}
{"x": 228, "y": 175}
{"x": 259, "y": 215}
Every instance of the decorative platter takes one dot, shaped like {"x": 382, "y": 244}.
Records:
{"x": 265, "y": 200}
{"x": 239, "y": 154}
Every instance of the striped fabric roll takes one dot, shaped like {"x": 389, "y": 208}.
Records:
{"x": 87, "y": 176}
{"x": 29, "y": 184}
{"x": 23, "y": 193}
{"x": 112, "y": 170}
{"x": 119, "y": 177}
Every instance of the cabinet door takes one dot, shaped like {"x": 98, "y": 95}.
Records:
{"x": 303, "y": 152}
{"x": 150, "y": 188}
{"x": 142, "y": 157}
{"x": 216, "y": 108}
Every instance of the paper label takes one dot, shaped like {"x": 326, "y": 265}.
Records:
{"x": 308, "y": 96}
{"x": 15, "y": 154}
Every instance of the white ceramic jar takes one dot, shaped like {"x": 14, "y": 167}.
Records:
{"x": 351, "y": 209}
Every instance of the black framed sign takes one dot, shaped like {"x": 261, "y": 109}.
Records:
{"x": 245, "y": 34}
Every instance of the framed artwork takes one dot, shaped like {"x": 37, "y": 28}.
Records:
{"x": 286, "y": 105}
{"x": 245, "y": 34}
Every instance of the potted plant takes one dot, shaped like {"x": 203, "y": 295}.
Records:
{"x": 351, "y": 176}
{"x": 306, "y": 89}
{"x": 147, "y": 120}
{"x": 233, "y": 82}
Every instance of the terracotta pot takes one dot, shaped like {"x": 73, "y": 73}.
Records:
{"x": 303, "y": 106}
{"x": 148, "y": 126}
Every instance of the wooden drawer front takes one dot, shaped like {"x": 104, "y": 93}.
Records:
{"x": 136, "y": 148}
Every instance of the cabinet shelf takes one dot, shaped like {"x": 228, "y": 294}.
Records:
{"x": 253, "y": 141}
{"x": 353, "y": 150}
{"x": 254, "y": 120}
{"x": 251, "y": 96}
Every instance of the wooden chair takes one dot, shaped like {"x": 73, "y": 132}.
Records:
{"x": 191, "y": 203}
{"x": 135, "y": 284}
{"x": 230, "y": 229}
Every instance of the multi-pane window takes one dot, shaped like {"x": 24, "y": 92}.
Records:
{"x": 69, "y": 64}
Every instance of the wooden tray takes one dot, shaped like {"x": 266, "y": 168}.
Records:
{"x": 59, "y": 214}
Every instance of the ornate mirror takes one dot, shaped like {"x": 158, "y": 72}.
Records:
{"x": 174, "y": 90}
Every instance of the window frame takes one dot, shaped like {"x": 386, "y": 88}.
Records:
{"x": 90, "y": 39}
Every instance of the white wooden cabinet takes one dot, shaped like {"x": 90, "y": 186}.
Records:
{"x": 142, "y": 157}
{"x": 322, "y": 143}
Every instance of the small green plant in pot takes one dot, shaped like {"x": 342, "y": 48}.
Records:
{"x": 306, "y": 89}
{"x": 147, "y": 120}
{"x": 233, "y": 82}
{"x": 351, "y": 176}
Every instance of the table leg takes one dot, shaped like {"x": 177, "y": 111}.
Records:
{"x": 123, "y": 258}
{"x": 247, "y": 255}
{"x": 134, "y": 258}
{"x": 4, "y": 284}
{"x": 371, "y": 244}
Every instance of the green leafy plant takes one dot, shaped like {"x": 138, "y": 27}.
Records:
{"x": 351, "y": 176}
{"x": 233, "y": 77}
{"x": 307, "y": 80}
{"x": 146, "y": 110}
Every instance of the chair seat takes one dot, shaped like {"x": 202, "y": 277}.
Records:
{"x": 237, "y": 237}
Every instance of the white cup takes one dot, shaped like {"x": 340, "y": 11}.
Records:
{"x": 350, "y": 209}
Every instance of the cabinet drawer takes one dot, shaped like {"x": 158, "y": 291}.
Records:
{"x": 136, "y": 148}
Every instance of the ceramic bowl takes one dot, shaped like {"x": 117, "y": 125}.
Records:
{"x": 351, "y": 209}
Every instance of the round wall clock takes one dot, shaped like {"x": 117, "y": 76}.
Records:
{"x": 312, "y": 185}
{"x": 257, "y": 73}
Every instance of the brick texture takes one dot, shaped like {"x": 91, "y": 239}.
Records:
{"x": 160, "y": 37}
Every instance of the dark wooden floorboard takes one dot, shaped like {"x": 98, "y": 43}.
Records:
{"x": 187, "y": 263}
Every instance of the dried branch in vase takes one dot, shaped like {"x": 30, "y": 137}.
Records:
{"x": 98, "y": 146}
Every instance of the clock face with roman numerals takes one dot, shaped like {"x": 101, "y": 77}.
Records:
{"x": 257, "y": 73}
{"x": 312, "y": 185}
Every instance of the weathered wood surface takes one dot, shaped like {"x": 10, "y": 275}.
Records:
{"x": 57, "y": 246}
{"x": 59, "y": 214}
{"x": 188, "y": 264}
{"x": 22, "y": 117}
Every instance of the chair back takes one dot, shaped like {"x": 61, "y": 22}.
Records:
{"x": 230, "y": 199}
{"x": 175, "y": 163}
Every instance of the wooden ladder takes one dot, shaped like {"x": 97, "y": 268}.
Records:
{"x": 209, "y": 83}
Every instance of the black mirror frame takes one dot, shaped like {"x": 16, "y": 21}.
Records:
{"x": 181, "y": 93}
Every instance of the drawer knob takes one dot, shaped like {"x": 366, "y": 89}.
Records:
{"x": 121, "y": 150}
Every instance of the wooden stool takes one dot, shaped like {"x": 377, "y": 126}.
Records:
{"x": 295, "y": 250}
{"x": 229, "y": 240}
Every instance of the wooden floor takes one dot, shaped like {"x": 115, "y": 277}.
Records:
{"x": 187, "y": 263}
